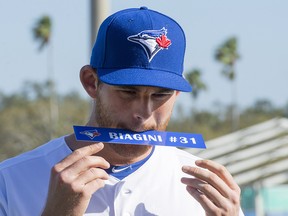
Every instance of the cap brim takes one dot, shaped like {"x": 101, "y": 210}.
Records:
{"x": 143, "y": 77}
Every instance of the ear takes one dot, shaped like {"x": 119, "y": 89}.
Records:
{"x": 89, "y": 80}
{"x": 177, "y": 93}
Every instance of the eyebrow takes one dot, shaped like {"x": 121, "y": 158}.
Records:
{"x": 135, "y": 88}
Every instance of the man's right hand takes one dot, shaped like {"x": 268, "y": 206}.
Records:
{"x": 74, "y": 180}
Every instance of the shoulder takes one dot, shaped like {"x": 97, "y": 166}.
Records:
{"x": 51, "y": 147}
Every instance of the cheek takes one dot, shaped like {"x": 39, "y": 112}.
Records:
{"x": 163, "y": 113}
{"x": 118, "y": 109}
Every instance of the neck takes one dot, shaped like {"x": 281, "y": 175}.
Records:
{"x": 123, "y": 154}
{"x": 116, "y": 154}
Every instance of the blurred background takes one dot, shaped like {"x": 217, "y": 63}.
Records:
{"x": 236, "y": 58}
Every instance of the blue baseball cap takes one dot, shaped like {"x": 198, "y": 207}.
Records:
{"x": 141, "y": 47}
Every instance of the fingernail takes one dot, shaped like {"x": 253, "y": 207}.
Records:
{"x": 185, "y": 168}
{"x": 100, "y": 144}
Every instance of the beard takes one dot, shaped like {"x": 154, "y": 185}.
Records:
{"x": 128, "y": 151}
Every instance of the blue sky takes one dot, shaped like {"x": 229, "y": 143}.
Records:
{"x": 260, "y": 27}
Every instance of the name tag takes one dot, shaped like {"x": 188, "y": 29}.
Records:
{"x": 151, "y": 137}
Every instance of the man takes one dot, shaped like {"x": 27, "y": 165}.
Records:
{"x": 134, "y": 78}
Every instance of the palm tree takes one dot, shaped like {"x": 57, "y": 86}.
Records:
{"x": 194, "y": 78}
{"x": 42, "y": 33}
{"x": 227, "y": 54}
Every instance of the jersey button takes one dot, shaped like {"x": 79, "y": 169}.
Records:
{"x": 127, "y": 191}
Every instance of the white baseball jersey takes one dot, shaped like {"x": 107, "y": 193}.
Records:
{"x": 153, "y": 189}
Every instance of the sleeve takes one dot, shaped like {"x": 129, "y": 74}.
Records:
{"x": 3, "y": 197}
{"x": 241, "y": 212}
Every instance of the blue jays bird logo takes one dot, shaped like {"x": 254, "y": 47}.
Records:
{"x": 91, "y": 133}
{"x": 152, "y": 41}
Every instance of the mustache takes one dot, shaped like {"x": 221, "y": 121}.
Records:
{"x": 136, "y": 128}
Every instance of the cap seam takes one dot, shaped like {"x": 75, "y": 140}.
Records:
{"x": 151, "y": 24}
{"x": 178, "y": 26}
{"x": 108, "y": 27}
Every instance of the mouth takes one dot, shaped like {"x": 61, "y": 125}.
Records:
{"x": 136, "y": 129}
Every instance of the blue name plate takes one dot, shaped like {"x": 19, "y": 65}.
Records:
{"x": 151, "y": 137}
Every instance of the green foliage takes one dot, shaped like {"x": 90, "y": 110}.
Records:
{"x": 25, "y": 118}
{"x": 227, "y": 54}
{"x": 194, "y": 78}
{"x": 260, "y": 111}
{"x": 212, "y": 123}
{"x": 42, "y": 31}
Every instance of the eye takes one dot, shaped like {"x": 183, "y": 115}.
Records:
{"x": 162, "y": 95}
{"x": 146, "y": 36}
{"x": 130, "y": 92}
{"x": 127, "y": 93}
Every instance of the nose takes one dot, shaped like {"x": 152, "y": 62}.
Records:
{"x": 143, "y": 108}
